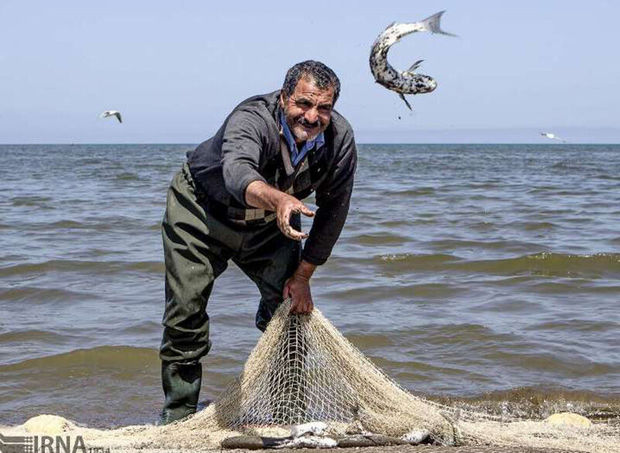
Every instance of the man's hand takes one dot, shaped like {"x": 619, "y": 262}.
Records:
{"x": 261, "y": 195}
{"x": 284, "y": 208}
{"x": 298, "y": 289}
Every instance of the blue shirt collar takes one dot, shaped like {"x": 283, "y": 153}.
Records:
{"x": 297, "y": 155}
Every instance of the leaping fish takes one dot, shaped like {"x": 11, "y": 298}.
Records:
{"x": 404, "y": 82}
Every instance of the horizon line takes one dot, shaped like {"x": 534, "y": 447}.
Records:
{"x": 358, "y": 143}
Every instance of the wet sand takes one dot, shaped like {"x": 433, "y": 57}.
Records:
{"x": 394, "y": 449}
{"x": 431, "y": 449}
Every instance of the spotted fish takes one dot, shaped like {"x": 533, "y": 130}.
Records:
{"x": 405, "y": 82}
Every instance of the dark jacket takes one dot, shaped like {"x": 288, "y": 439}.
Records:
{"x": 248, "y": 147}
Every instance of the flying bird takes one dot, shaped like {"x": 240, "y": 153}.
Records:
{"x": 403, "y": 82}
{"x": 109, "y": 113}
{"x": 552, "y": 136}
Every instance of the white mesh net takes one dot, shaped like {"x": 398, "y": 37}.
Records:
{"x": 303, "y": 370}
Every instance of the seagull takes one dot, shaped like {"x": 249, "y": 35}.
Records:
{"x": 552, "y": 136}
{"x": 109, "y": 113}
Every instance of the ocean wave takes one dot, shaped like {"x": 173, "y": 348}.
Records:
{"x": 574, "y": 287}
{"x": 69, "y": 224}
{"x": 35, "y": 201}
{"x": 378, "y": 239}
{"x": 32, "y": 335}
{"x": 576, "y": 325}
{"x": 152, "y": 267}
{"x": 143, "y": 327}
{"x": 542, "y": 264}
{"x": 82, "y": 266}
{"x": 540, "y": 362}
{"x": 539, "y": 402}
{"x": 504, "y": 245}
{"x": 126, "y": 176}
{"x": 420, "y": 191}
{"x": 91, "y": 361}
{"x": 536, "y": 226}
{"x": 41, "y": 295}
{"x": 413, "y": 259}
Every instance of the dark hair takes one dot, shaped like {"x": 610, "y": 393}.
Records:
{"x": 322, "y": 76}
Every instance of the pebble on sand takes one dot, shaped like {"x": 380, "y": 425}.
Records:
{"x": 570, "y": 419}
{"x": 48, "y": 425}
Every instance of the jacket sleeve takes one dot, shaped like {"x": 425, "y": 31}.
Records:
{"x": 242, "y": 144}
{"x": 332, "y": 199}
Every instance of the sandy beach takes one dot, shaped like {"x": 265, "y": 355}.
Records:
{"x": 193, "y": 435}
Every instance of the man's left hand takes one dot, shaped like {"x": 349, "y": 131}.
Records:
{"x": 298, "y": 289}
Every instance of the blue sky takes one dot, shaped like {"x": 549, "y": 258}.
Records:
{"x": 175, "y": 69}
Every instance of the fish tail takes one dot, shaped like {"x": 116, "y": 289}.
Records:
{"x": 432, "y": 24}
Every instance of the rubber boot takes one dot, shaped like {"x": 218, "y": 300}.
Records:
{"x": 181, "y": 382}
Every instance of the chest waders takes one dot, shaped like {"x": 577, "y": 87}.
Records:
{"x": 197, "y": 248}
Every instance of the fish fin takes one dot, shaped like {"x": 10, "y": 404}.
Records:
{"x": 432, "y": 24}
{"x": 402, "y": 96}
{"x": 414, "y": 66}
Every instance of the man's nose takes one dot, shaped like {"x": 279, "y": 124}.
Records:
{"x": 312, "y": 115}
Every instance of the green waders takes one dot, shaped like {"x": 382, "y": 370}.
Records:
{"x": 197, "y": 248}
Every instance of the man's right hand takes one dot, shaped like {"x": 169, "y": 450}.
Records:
{"x": 287, "y": 206}
{"x": 261, "y": 195}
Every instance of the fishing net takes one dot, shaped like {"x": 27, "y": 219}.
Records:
{"x": 304, "y": 371}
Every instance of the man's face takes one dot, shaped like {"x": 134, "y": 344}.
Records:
{"x": 308, "y": 109}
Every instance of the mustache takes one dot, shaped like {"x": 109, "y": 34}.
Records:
{"x": 305, "y": 123}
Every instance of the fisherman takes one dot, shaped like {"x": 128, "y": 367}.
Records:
{"x": 238, "y": 198}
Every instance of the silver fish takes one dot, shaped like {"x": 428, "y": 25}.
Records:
{"x": 404, "y": 82}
